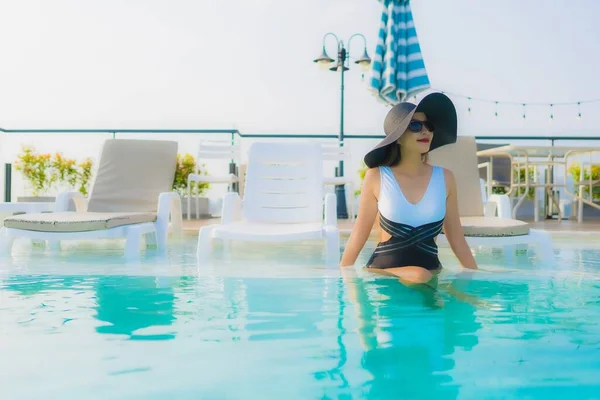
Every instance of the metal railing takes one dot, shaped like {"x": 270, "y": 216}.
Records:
{"x": 233, "y": 133}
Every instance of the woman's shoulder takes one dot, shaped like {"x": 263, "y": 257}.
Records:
{"x": 449, "y": 180}
{"x": 447, "y": 173}
{"x": 371, "y": 180}
{"x": 373, "y": 173}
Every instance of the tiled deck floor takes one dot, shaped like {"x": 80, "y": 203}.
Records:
{"x": 590, "y": 225}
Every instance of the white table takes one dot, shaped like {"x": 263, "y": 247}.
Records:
{"x": 550, "y": 157}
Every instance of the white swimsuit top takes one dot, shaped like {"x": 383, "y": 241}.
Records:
{"x": 393, "y": 205}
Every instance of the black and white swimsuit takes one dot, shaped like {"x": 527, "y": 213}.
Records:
{"x": 413, "y": 227}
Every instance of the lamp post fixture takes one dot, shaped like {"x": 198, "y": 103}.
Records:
{"x": 342, "y": 65}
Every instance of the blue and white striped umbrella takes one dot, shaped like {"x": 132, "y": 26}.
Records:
{"x": 398, "y": 70}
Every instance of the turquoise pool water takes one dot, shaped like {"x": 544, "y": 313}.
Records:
{"x": 278, "y": 325}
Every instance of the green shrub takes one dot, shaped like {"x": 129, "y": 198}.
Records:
{"x": 186, "y": 164}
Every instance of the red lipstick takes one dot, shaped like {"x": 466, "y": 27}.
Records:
{"x": 424, "y": 140}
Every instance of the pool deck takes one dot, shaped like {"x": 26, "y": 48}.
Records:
{"x": 591, "y": 225}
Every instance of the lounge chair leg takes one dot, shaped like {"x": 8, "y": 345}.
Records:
{"x": 543, "y": 244}
{"x": 6, "y": 242}
{"x": 521, "y": 248}
{"x": 189, "y": 202}
{"x": 161, "y": 235}
{"x": 204, "y": 243}
{"x": 38, "y": 243}
{"x": 150, "y": 239}
{"x": 332, "y": 246}
{"x": 54, "y": 245}
{"x": 176, "y": 218}
{"x": 226, "y": 246}
{"x": 197, "y": 207}
{"x": 132, "y": 242}
{"x": 509, "y": 254}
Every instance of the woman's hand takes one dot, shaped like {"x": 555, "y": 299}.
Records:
{"x": 453, "y": 228}
{"x": 367, "y": 212}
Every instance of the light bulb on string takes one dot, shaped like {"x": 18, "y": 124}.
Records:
{"x": 496, "y": 103}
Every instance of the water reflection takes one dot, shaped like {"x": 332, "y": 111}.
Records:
{"x": 289, "y": 308}
{"x": 367, "y": 338}
{"x": 409, "y": 335}
{"x": 406, "y": 335}
{"x": 130, "y": 304}
{"x": 140, "y": 307}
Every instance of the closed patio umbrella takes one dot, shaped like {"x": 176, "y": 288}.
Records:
{"x": 398, "y": 70}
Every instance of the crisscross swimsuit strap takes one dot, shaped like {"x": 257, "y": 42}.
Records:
{"x": 405, "y": 236}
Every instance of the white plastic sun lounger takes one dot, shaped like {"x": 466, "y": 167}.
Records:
{"x": 283, "y": 201}
{"x": 481, "y": 225}
{"x": 131, "y": 197}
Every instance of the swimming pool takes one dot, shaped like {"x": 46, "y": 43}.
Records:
{"x": 280, "y": 326}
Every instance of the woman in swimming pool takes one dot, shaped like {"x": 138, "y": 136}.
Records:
{"x": 414, "y": 200}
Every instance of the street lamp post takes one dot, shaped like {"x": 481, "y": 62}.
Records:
{"x": 341, "y": 66}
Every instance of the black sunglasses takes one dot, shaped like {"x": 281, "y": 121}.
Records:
{"x": 416, "y": 126}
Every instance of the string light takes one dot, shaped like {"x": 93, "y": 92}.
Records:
{"x": 497, "y": 103}
{"x": 484, "y": 100}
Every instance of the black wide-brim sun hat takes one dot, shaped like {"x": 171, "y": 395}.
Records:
{"x": 439, "y": 110}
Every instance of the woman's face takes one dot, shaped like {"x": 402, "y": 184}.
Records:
{"x": 418, "y": 136}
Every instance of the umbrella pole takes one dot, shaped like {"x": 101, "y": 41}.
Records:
{"x": 340, "y": 190}
{"x": 325, "y": 61}
{"x": 7, "y": 182}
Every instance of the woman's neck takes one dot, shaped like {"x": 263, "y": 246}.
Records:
{"x": 411, "y": 162}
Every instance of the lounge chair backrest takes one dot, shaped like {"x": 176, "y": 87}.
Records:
{"x": 461, "y": 159}
{"x": 284, "y": 183}
{"x": 335, "y": 152}
{"x": 219, "y": 149}
{"x": 131, "y": 174}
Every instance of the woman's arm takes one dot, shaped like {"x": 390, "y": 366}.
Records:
{"x": 367, "y": 212}
{"x": 452, "y": 227}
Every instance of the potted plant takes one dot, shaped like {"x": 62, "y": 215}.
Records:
{"x": 44, "y": 172}
{"x": 83, "y": 176}
{"x": 186, "y": 164}
{"x": 575, "y": 171}
{"x": 70, "y": 175}
{"x": 36, "y": 169}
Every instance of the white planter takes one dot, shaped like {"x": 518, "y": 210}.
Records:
{"x": 204, "y": 211}
{"x": 36, "y": 199}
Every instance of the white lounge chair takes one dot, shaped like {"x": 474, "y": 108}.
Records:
{"x": 283, "y": 201}
{"x": 481, "y": 225}
{"x": 211, "y": 150}
{"x": 131, "y": 197}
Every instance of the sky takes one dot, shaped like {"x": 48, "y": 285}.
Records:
{"x": 247, "y": 64}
